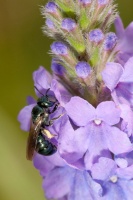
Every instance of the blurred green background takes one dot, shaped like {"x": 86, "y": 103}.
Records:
{"x": 23, "y": 48}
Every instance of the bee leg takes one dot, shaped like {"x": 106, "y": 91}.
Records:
{"x": 52, "y": 120}
{"x": 46, "y": 133}
{"x": 54, "y": 109}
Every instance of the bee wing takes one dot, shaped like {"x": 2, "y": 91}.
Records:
{"x": 31, "y": 142}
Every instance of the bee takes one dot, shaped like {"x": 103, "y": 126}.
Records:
{"x": 39, "y": 120}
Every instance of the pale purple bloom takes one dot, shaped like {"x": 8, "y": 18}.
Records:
{"x": 82, "y": 69}
{"x": 61, "y": 181}
{"x": 116, "y": 182}
{"x": 120, "y": 81}
{"x": 127, "y": 120}
{"x": 124, "y": 160}
{"x": 125, "y": 41}
{"x": 96, "y": 136}
{"x": 24, "y": 117}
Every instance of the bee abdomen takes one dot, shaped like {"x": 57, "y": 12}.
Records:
{"x": 44, "y": 147}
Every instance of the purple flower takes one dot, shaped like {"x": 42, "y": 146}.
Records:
{"x": 124, "y": 160}
{"x": 125, "y": 41}
{"x": 24, "y": 117}
{"x": 127, "y": 120}
{"x": 94, "y": 133}
{"x": 116, "y": 182}
{"x": 120, "y": 81}
{"x": 95, "y": 136}
{"x": 61, "y": 181}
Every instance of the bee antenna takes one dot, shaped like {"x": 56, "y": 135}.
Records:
{"x": 38, "y": 90}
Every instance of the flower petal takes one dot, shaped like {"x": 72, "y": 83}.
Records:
{"x": 30, "y": 100}
{"x": 121, "y": 162}
{"x": 126, "y": 43}
{"x": 42, "y": 164}
{"x": 97, "y": 145}
{"x": 61, "y": 94}
{"x": 108, "y": 112}
{"x": 124, "y": 160}
{"x": 24, "y": 117}
{"x": 58, "y": 182}
{"x": 124, "y": 93}
{"x": 46, "y": 163}
{"x": 104, "y": 169}
{"x": 119, "y": 27}
{"x": 127, "y": 189}
{"x": 42, "y": 80}
{"x": 127, "y": 75}
{"x": 114, "y": 191}
{"x": 111, "y": 74}
{"x": 80, "y": 111}
{"x": 84, "y": 188}
{"x": 72, "y": 143}
{"x": 125, "y": 173}
{"x": 117, "y": 141}
{"x": 127, "y": 116}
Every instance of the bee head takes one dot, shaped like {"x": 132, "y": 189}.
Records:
{"x": 46, "y": 101}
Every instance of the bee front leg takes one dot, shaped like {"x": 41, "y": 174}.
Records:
{"x": 54, "y": 109}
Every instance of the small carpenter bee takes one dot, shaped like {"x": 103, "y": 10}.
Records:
{"x": 39, "y": 120}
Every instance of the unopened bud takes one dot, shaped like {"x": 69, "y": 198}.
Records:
{"x": 68, "y": 24}
{"x": 103, "y": 2}
{"x": 57, "y": 68}
{"x": 83, "y": 69}
{"x": 50, "y": 24}
{"x": 96, "y": 36}
{"x": 85, "y": 2}
{"x": 110, "y": 41}
{"x": 59, "y": 48}
{"x": 51, "y": 7}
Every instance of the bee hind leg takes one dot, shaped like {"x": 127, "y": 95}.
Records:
{"x": 52, "y": 120}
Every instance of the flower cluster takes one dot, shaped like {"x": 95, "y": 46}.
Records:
{"x": 92, "y": 80}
